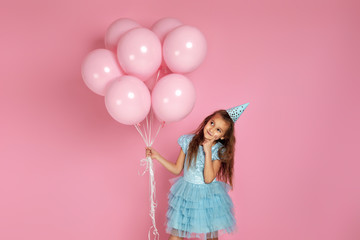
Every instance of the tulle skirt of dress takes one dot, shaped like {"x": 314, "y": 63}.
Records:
{"x": 199, "y": 210}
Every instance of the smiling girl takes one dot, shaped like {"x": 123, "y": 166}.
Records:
{"x": 199, "y": 205}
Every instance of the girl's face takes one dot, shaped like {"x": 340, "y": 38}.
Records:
{"x": 215, "y": 128}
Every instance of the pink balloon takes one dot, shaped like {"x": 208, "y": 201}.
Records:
{"x": 173, "y": 98}
{"x": 164, "y": 26}
{"x": 128, "y": 100}
{"x": 116, "y": 30}
{"x": 99, "y": 68}
{"x": 184, "y": 49}
{"x": 139, "y": 53}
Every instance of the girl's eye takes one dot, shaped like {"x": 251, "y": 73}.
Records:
{"x": 219, "y": 130}
{"x": 212, "y": 123}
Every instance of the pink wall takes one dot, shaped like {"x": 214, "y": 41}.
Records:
{"x": 69, "y": 171}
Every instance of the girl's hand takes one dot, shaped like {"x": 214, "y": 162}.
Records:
{"x": 150, "y": 152}
{"x": 207, "y": 144}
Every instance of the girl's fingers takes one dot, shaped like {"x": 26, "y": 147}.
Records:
{"x": 148, "y": 152}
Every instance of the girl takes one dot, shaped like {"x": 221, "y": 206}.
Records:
{"x": 199, "y": 205}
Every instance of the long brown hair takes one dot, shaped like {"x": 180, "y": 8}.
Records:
{"x": 226, "y": 152}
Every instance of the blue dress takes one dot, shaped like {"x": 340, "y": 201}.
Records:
{"x": 197, "y": 209}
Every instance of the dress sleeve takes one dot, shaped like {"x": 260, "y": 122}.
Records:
{"x": 184, "y": 142}
{"x": 215, "y": 153}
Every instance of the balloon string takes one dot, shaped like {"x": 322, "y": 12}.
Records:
{"x": 151, "y": 117}
{"x": 146, "y": 136}
{"x": 152, "y": 197}
{"x": 158, "y": 75}
{"x": 148, "y": 163}
{"x": 151, "y": 114}
{"x": 141, "y": 134}
{"x": 161, "y": 126}
{"x": 147, "y": 128}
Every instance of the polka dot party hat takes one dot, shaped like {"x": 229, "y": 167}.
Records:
{"x": 235, "y": 112}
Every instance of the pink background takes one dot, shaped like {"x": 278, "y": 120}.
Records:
{"x": 69, "y": 171}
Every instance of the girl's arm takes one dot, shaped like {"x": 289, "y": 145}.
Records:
{"x": 174, "y": 168}
{"x": 211, "y": 167}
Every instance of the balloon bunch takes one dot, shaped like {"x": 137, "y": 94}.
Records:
{"x": 134, "y": 59}
{"x": 141, "y": 72}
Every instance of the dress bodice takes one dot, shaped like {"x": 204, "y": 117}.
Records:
{"x": 195, "y": 173}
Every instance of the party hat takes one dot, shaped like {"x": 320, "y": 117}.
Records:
{"x": 235, "y": 112}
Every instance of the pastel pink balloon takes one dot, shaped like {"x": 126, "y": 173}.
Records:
{"x": 128, "y": 100}
{"x": 164, "y": 26}
{"x": 184, "y": 49}
{"x": 116, "y": 30}
{"x": 173, "y": 97}
{"x": 99, "y": 68}
{"x": 139, "y": 53}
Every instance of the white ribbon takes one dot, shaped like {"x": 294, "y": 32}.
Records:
{"x": 148, "y": 164}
